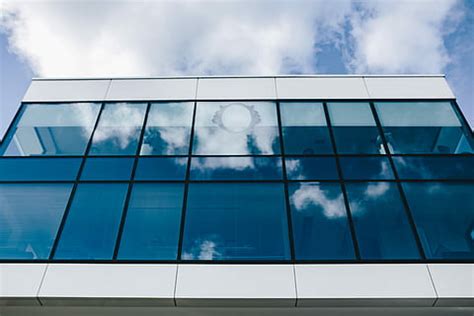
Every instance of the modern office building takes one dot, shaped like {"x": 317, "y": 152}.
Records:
{"x": 290, "y": 195}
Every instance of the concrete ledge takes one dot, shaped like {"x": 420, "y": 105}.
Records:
{"x": 454, "y": 284}
{"x": 108, "y": 285}
{"x": 236, "y": 88}
{"x": 20, "y": 283}
{"x": 66, "y": 90}
{"x": 235, "y": 285}
{"x": 408, "y": 88}
{"x": 371, "y": 285}
{"x": 321, "y": 88}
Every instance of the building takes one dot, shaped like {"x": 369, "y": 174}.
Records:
{"x": 291, "y": 195}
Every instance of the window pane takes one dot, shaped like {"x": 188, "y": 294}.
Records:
{"x": 168, "y": 129}
{"x": 236, "y": 168}
{"x": 366, "y": 168}
{"x": 119, "y": 129}
{"x": 304, "y": 128}
{"x": 435, "y": 167}
{"x": 423, "y": 127}
{"x": 381, "y": 224}
{"x": 107, "y": 169}
{"x": 444, "y": 218}
{"x": 30, "y": 215}
{"x": 235, "y": 221}
{"x": 93, "y": 221}
{"x": 38, "y": 169}
{"x": 52, "y": 129}
{"x": 236, "y": 128}
{"x": 354, "y": 129}
{"x": 151, "y": 230}
{"x": 320, "y": 227}
{"x": 161, "y": 168}
{"x": 311, "y": 168}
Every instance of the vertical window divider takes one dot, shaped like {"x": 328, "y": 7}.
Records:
{"x": 74, "y": 187}
{"x": 130, "y": 185}
{"x": 399, "y": 184}
{"x": 342, "y": 184}
{"x": 186, "y": 185}
{"x": 285, "y": 183}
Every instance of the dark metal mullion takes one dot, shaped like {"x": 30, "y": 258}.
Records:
{"x": 342, "y": 184}
{"x": 186, "y": 185}
{"x": 399, "y": 184}
{"x": 285, "y": 182}
{"x": 74, "y": 188}
{"x": 130, "y": 185}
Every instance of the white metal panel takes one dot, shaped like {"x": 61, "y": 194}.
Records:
{"x": 364, "y": 285}
{"x": 321, "y": 88}
{"x": 109, "y": 284}
{"x": 66, "y": 90}
{"x": 235, "y": 285}
{"x": 454, "y": 284}
{"x": 408, "y": 88}
{"x": 236, "y": 88}
{"x": 152, "y": 89}
{"x": 19, "y": 283}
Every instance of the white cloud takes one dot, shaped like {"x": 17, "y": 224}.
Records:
{"x": 311, "y": 194}
{"x": 402, "y": 36}
{"x": 163, "y": 37}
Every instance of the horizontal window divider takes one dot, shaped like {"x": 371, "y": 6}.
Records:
{"x": 241, "y": 262}
{"x": 365, "y": 100}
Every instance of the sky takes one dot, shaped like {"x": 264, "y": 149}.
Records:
{"x": 202, "y": 37}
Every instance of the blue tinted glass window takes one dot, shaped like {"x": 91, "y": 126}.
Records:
{"x": 161, "y": 168}
{"x": 107, "y": 169}
{"x": 168, "y": 129}
{"x": 381, "y": 224}
{"x": 37, "y": 169}
{"x": 354, "y": 129}
{"x": 311, "y": 168}
{"x": 304, "y": 128}
{"x": 236, "y": 221}
{"x": 320, "y": 226}
{"x": 236, "y": 168}
{"x": 52, "y": 129}
{"x": 423, "y": 127}
{"x": 119, "y": 129}
{"x": 93, "y": 221}
{"x": 151, "y": 230}
{"x": 435, "y": 167}
{"x": 236, "y": 128}
{"x": 366, "y": 168}
{"x": 30, "y": 215}
{"x": 444, "y": 218}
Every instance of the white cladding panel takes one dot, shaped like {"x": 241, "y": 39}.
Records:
{"x": 20, "y": 283}
{"x": 408, "y": 88}
{"x": 234, "y": 285}
{"x": 109, "y": 284}
{"x": 152, "y": 89}
{"x": 321, "y": 88}
{"x": 236, "y": 88}
{"x": 364, "y": 285}
{"x": 454, "y": 284}
{"x": 66, "y": 90}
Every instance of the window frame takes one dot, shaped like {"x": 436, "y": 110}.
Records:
{"x": 464, "y": 126}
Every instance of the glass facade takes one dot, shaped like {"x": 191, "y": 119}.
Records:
{"x": 238, "y": 181}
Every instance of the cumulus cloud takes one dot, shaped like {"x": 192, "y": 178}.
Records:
{"x": 311, "y": 194}
{"x": 90, "y": 38}
{"x": 402, "y": 36}
{"x": 162, "y": 37}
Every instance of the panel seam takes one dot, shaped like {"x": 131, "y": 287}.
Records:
{"x": 107, "y": 90}
{"x": 175, "y": 285}
{"x": 366, "y": 88}
{"x": 433, "y": 284}
{"x": 296, "y": 285}
{"x": 41, "y": 285}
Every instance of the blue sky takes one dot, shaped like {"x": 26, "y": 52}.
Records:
{"x": 197, "y": 37}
